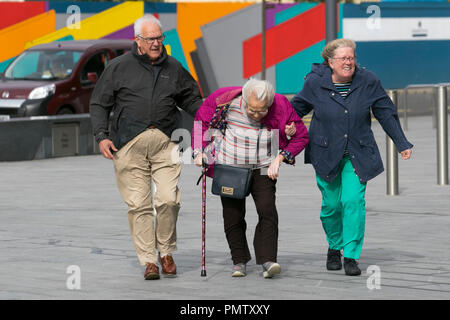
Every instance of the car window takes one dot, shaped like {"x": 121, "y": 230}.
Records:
{"x": 43, "y": 65}
{"x": 96, "y": 64}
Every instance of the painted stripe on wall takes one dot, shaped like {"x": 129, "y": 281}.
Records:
{"x": 17, "y": 35}
{"x": 85, "y": 7}
{"x": 302, "y": 31}
{"x": 395, "y": 29}
{"x": 400, "y": 63}
{"x": 15, "y": 12}
{"x": 98, "y": 26}
{"x": 191, "y": 16}
{"x": 399, "y": 10}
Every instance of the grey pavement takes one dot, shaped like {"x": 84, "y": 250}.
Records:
{"x": 64, "y": 212}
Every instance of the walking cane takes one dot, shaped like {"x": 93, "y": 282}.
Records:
{"x": 203, "y": 178}
{"x": 203, "y": 274}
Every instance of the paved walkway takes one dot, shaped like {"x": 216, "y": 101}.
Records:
{"x": 64, "y": 235}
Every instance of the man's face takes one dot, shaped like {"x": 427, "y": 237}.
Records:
{"x": 150, "y": 40}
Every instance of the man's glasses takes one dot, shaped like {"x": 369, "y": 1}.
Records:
{"x": 150, "y": 40}
{"x": 343, "y": 59}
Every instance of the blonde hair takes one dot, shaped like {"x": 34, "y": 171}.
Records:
{"x": 262, "y": 90}
{"x": 328, "y": 50}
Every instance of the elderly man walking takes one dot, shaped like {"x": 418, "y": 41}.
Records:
{"x": 143, "y": 88}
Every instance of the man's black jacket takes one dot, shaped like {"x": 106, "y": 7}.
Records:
{"x": 141, "y": 94}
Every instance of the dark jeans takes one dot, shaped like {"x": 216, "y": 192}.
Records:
{"x": 265, "y": 240}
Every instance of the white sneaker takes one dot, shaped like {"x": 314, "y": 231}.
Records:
{"x": 270, "y": 269}
{"x": 239, "y": 270}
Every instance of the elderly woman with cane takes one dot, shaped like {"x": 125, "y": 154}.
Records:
{"x": 244, "y": 127}
{"x": 343, "y": 150}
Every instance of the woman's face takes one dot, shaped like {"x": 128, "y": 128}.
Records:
{"x": 256, "y": 109}
{"x": 342, "y": 64}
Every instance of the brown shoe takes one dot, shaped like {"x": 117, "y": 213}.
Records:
{"x": 151, "y": 272}
{"x": 168, "y": 265}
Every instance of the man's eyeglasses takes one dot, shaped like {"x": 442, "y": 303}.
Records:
{"x": 150, "y": 40}
{"x": 343, "y": 59}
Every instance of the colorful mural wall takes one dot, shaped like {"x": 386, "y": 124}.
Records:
{"x": 220, "y": 42}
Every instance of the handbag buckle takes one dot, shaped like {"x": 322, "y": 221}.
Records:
{"x": 227, "y": 190}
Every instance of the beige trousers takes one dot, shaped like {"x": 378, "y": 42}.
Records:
{"x": 150, "y": 156}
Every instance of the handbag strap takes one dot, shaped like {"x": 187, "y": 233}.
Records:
{"x": 257, "y": 142}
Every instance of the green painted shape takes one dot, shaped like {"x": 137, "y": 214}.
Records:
{"x": 290, "y": 73}
{"x": 176, "y": 50}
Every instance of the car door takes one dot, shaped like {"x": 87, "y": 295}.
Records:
{"x": 95, "y": 64}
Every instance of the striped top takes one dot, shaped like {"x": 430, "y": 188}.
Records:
{"x": 238, "y": 146}
{"x": 343, "y": 88}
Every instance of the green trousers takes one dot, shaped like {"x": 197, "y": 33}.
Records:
{"x": 343, "y": 212}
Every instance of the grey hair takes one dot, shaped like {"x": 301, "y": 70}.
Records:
{"x": 146, "y": 18}
{"x": 330, "y": 47}
{"x": 261, "y": 89}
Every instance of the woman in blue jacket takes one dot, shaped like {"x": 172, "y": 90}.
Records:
{"x": 342, "y": 148}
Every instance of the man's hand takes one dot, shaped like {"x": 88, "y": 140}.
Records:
{"x": 290, "y": 129}
{"x": 272, "y": 172}
{"x": 106, "y": 146}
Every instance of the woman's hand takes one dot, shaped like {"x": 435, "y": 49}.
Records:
{"x": 406, "y": 154}
{"x": 272, "y": 172}
{"x": 198, "y": 159}
{"x": 290, "y": 129}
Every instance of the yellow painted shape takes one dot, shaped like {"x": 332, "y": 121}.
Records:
{"x": 99, "y": 25}
{"x": 191, "y": 16}
{"x": 14, "y": 37}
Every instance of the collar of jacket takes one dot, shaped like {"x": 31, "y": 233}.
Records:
{"x": 327, "y": 82}
{"x": 144, "y": 58}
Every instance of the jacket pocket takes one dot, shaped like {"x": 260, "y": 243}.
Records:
{"x": 320, "y": 141}
{"x": 318, "y": 152}
{"x": 367, "y": 145}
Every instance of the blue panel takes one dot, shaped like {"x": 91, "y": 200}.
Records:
{"x": 292, "y": 12}
{"x": 399, "y": 9}
{"x": 290, "y": 72}
{"x": 176, "y": 51}
{"x": 85, "y": 7}
{"x": 160, "y": 7}
{"x": 401, "y": 63}
{"x": 5, "y": 64}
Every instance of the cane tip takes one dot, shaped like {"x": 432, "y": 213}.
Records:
{"x": 203, "y": 274}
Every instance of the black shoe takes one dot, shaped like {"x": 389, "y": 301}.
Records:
{"x": 351, "y": 267}
{"x": 334, "y": 259}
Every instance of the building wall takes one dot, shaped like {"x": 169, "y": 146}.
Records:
{"x": 402, "y": 42}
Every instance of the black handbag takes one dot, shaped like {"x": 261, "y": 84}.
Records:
{"x": 231, "y": 182}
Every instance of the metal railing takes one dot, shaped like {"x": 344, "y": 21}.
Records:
{"x": 440, "y": 122}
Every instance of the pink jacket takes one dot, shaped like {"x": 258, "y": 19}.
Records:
{"x": 280, "y": 114}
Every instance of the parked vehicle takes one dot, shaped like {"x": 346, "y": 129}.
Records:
{"x": 57, "y": 77}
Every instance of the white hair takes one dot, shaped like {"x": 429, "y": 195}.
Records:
{"x": 146, "y": 18}
{"x": 262, "y": 90}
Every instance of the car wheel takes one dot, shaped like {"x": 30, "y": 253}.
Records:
{"x": 65, "y": 110}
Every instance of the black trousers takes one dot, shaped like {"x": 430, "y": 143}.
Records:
{"x": 265, "y": 241}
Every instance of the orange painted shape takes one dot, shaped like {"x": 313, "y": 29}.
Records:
{"x": 284, "y": 40}
{"x": 191, "y": 16}
{"x": 15, "y": 12}
{"x": 17, "y": 35}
